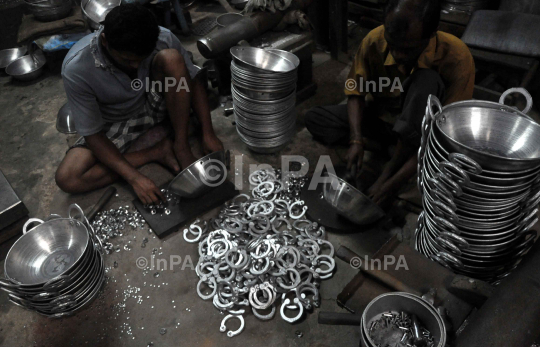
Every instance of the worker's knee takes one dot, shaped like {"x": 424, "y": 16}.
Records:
{"x": 65, "y": 180}
{"x": 169, "y": 63}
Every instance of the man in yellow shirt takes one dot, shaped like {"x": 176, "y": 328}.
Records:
{"x": 397, "y": 66}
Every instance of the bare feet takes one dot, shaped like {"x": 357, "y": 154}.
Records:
{"x": 166, "y": 155}
{"x": 184, "y": 155}
{"x": 211, "y": 144}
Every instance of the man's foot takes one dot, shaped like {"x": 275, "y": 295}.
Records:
{"x": 166, "y": 155}
{"x": 184, "y": 156}
{"x": 211, "y": 144}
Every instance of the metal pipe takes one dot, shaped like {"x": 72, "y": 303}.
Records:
{"x": 248, "y": 28}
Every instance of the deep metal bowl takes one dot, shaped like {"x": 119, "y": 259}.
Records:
{"x": 64, "y": 120}
{"x": 287, "y": 55}
{"x": 48, "y": 11}
{"x": 201, "y": 176}
{"x": 95, "y": 11}
{"x": 259, "y": 59}
{"x": 9, "y": 55}
{"x": 349, "y": 202}
{"x": 47, "y": 251}
{"x": 25, "y": 68}
{"x": 412, "y": 304}
{"x": 496, "y": 139}
{"x": 227, "y": 19}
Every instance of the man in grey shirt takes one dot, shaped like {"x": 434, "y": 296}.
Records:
{"x": 121, "y": 82}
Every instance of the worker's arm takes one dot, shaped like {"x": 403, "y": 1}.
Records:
{"x": 107, "y": 153}
{"x": 211, "y": 142}
{"x": 355, "y": 107}
{"x": 396, "y": 173}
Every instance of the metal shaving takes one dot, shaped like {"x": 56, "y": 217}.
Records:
{"x": 394, "y": 329}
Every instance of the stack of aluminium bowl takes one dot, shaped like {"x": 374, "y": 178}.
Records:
{"x": 478, "y": 172}
{"x": 264, "y": 96}
{"x": 55, "y": 268}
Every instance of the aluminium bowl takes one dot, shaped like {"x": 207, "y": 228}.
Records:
{"x": 349, "y": 202}
{"x": 201, "y": 176}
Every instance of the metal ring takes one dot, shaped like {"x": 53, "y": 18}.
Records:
{"x": 521, "y": 91}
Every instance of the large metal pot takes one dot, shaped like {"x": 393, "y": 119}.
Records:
{"x": 349, "y": 202}
{"x": 496, "y": 136}
{"x": 201, "y": 176}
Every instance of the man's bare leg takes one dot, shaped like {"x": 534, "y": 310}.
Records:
{"x": 81, "y": 172}
{"x": 170, "y": 64}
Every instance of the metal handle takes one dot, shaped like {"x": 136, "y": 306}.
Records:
{"x": 28, "y": 222}
{"x": 8, "y": 285}
{"x": 446, "y": 225}
{"x": 527, "y": 218}
{"x": 451, "y": 169}
{"x": 447, "y": 180}
{"x": 521, "y": 91}
{"x": 450, "y": 259}
{"x": 527, "y": 241}
{"x": 465, "y": 162}
{"x": 449, "y": 245}
{"x": 460, "y": 241}
{"x": 433, "y": 101}
{"x": 442, "y": 210}
{"x": 439, "y": 194}
{"x": 56, "y": 282}
{"x": 439, "y": 260}
{"x": 79, "y": 209}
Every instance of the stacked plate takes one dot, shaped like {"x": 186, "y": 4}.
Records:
{"x": 264, "y": 96}
{"x": 56, "y": 268}
{"x": 479, "y": 167}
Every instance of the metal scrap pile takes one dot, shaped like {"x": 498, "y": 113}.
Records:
{"x": 262, "y": 253}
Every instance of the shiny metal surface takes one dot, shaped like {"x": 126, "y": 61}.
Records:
{"x": 496, "y": 139}
{"x": 228, "y": 19}
{"x": 264, "y": 100}
{"x": 25, "y": 68}
{"x": 201, "y": 176}
{"x": 412, "y": 304}
{"x": 48, "y": 11}
{"x": 9, "y": 55}
{"x": 46, "y": 252}
{"x": 64, "y": 120}
{"x": 477, "y": 219}
{"x": 65, "y": 249}
{"x": 287, "y": 55}
{"x": 95, "y": 11}
{"x": 258, "y": 59}
{"x": 349, "y": 202}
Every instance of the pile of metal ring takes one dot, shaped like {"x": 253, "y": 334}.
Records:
{"x": 478, "y": 213}
{"x": 264, "y": 97}
{"x": 55, "y": 268}
{"x": 261, "y": 250}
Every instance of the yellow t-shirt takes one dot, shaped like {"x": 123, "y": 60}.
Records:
{"x": 445, "y": 53}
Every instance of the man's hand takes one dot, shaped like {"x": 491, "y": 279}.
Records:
{"x": 211, "y": 143}
{"x": 146, "y": 190}
{"x": 383, "y": 194}
{"x": 355, "y": 156}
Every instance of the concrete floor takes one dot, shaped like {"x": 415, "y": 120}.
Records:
{"x": 30, "y": 151}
